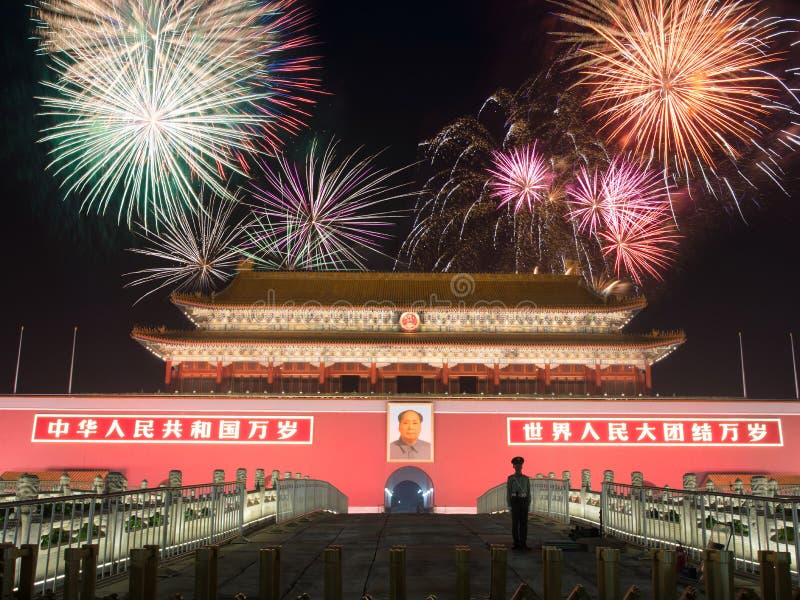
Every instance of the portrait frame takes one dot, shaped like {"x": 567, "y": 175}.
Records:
{"x": 393, "y": 410}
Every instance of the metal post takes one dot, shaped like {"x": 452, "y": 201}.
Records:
{"x": 332, "y": 560}
{"x": 462, "y": 573}
{"x": 794, "y": 368}
{"x": 72, "y": 573}
{"x": 551, "y": 571}
{"x": 205, "y": 573}
{"x": 741, "y": 356}
{"x": 269, "y": 573}
{"x": 72, "y": 360}
{"x": 499, "y": 556}
{"x": 27, "y": 572}
{"x": 718, "y": 565}
{"x": 664, "y": 575}
{"x": 607, "y": 573}
{"x": 89, "y": 554}
{"x": 397, "y": 573}
{"x": 8, "y": 562}
{"x": 19, "y": 357}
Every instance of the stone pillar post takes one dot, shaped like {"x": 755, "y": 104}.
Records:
{"x": 690, "y": 535}
{"x": 115, "y": 482}
{"x": 175, "y": 478}
{"x": 710, "y": 486}
{"x": 241, "y": 476}
{"x": 64, "y": 484}
{"x": 27, "y": 489}
{"x": 260, "y": 480}
{"x": 276, "y": 475}
{"x": 143, "y": 485}
{"x": 287, "y": 475}
{"x": 551, "y": 475}
{"x": 219, "y": 476}
{"x": 567, "y": 477}
{"x": 772, "y": 488}
{"x": 638, "y": 504}
{"x": 586, "y": 488}
{"x": 97, "y": 484}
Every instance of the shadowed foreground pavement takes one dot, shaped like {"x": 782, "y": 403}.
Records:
{"x": 365, "y": 541}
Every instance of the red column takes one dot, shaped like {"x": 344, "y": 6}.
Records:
{"x": 270, "y": 373}
{"x": 648, "y": 379}
{"x": 598, "y": 378}
{"x": 496, "y": 377}
{"x": 168, "y": 373}
{"x": 219, "y": 371}
{"x": 373, "y": 376}
{"x": 321, "y": 373}
{"x": 445, "y": 374}
{"x": 547, "y": 377}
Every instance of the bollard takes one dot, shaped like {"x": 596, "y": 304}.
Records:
{"x": 607, "y": 573}
{"x": 332, "y": 560}
{"x": 27, "y": 571}
{"x": 205, "y": 573}
{"x": 664, "y": 574}
{"x": 269, "y": 573}
{"x": 718, "y": 572}
{"x": 523, "y": 592}
{"x": 8, "y": 559}
{"x": 143, "y": 573}
{"x": 499, "y": 554}
{"x": 462, "y": 573}
{"x": 397, "y": 573}
{"x": 80, "y": 572}
{"x": 551, "y": 572}
{"x": 261, "y": 479}
{"x": 776, "y": 579}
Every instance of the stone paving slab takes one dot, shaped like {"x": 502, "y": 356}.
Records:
{"x": 365, "y": 541}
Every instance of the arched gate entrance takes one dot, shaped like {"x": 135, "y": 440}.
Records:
{"x": 408, "y": 489}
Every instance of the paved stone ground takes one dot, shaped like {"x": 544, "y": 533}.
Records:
{"x": 365, "y": 541}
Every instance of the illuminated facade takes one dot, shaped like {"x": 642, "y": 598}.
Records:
{"x": 396, "y": 333}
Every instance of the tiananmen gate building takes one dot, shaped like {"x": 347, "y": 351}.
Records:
{"x": 370, "y": 379}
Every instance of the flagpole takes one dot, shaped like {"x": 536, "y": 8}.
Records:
{"x": 794, "y": 367}
{"x": 741, "y": 356}
{"x": 19, "y": 356}
{"x": 72, "y": 361}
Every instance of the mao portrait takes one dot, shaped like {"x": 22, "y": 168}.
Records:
{"x": 409, "y": 432}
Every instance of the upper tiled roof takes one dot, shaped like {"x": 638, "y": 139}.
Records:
{"x": 401, "y": 290}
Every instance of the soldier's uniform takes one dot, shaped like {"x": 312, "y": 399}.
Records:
{"x": 518, "y": 497}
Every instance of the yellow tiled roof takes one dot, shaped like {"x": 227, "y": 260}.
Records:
{"x": 432, "y": 290}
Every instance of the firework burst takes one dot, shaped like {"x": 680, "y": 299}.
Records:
{"x": 683, "y": 79}
{"x": 519, "y": 177}
{"x": 624, "y": 190}
{"x": 196, "y": 249}
{"x": 325, "y": 214}
{"x": 153, "y": 97}
{"x": 641, "y": 244}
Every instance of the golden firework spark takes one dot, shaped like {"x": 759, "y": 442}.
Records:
{"x": 681, "y": 79}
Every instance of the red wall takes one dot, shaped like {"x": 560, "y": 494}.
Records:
{"x": 350, "y": 437}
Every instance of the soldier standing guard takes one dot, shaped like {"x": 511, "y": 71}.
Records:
{"x": 518, "y": 497}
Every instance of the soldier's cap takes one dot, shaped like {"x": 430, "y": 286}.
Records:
{"x": 517, "y": 460}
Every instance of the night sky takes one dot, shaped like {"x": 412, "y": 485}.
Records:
{"x": 396, "y": 73}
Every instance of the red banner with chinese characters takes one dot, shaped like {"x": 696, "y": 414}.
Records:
{"x": 633, "y": 431}
{"x": 173, "y": 429}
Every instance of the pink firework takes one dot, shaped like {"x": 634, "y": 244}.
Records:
{"x": 519, "y": 177}
{"x": 624, "y": 191}
{"x": 641, "y": 243}
{"x": 589, "y": 203}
